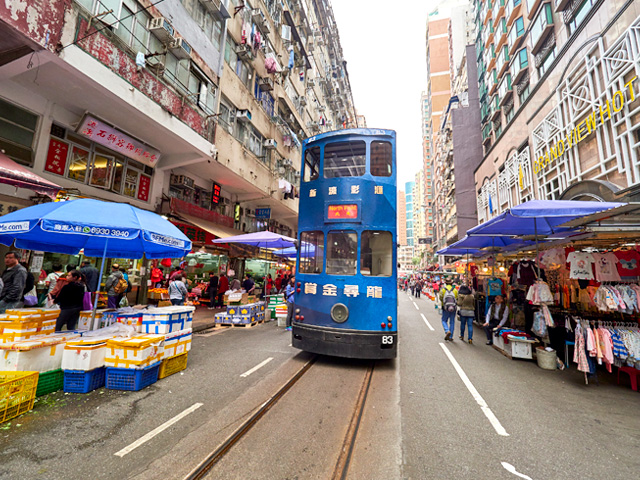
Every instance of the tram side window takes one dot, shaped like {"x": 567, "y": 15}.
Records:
{"x": 311, "y": 164}
{"x": 342, "y": 252}
{"x": 376, "y": 253}
{"x": 381, "y": 159}
{"x": 345, "y": 159}
{"x": 311, "y": 252}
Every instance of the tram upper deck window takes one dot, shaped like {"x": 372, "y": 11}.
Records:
{"x": 376, "y": 253}
{"x": 311, "y": 164}
{"x": 342, "y": 252}
{"x": 381, "y": 159}
{"x": 311, "y": 252}
{"x": 345, "y": 159}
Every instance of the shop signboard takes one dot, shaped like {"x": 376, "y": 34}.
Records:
{"x": 196, "y": 234}
{"x": 215, "y": 194}
{"x": 263, "y": 213}
{"x": 424, "y": 241}
{"x": 112, "y": 138}
{"x": 57, "y": 157}
{"x": 143, "y": 189}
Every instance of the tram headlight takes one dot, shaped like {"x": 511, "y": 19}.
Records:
{"x": 339, "y": 313}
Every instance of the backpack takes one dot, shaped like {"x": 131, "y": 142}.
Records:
{"x": 449, "y": 302}
{"x": 120, "y": 286}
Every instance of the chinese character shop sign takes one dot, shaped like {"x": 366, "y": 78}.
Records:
{"x": 114, "y": 139}
{"x": 57, "y": 157}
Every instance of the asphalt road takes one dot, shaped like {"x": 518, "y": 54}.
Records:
{"x": 420, "y": 421}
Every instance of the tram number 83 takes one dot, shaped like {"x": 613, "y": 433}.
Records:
{"x": 387, "y": 340}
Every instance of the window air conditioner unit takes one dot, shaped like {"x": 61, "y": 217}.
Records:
{"x": 181, "y": 181}
{"x": 244, "y": 52}
{"x": 286, "y": 33}
{"x": 162, "y": 29}
{"x": 281, "y": 170}
{"x": 302, "y": 101}
{"x": 259, "y": 19}
{"x": 217, "y": 9}
{"x": 180, "y": 48}
{"x": 266, "y": 84}
{"x": 243, "y": 115}
{"x": 270, "y": 143}
{"x": 310, "y": 46}
{"x": 311, "y": 82}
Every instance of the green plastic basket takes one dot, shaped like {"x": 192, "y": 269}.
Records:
{"x": 50, "y": 382}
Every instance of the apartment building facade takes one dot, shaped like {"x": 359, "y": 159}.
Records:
{"x": 191, "y": 108}
{"x": 402, "y": 216}
{"x": 558, "y": 87}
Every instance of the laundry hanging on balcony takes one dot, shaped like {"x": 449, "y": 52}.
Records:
{"x": 291, "y": 57}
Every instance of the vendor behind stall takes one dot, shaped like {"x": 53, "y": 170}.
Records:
{"x": 70, "y": 300}
{"x": 496, "y": 317}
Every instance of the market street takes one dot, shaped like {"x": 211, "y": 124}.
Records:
{"x": 420, "y": 420}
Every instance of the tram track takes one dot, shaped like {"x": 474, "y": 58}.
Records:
{"x": 340, "y": 471}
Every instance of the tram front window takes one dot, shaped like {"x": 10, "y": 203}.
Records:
{"x": 345, "y": 159}
{"x": 381, "y": 159}
{"x": 311, "y": 252}
{"x": 342, "y": 252}
{"x": 311, "y": 164}
{"x": 376, "y": 253}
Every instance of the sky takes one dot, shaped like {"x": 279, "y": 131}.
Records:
{"x": 384, "y": 45}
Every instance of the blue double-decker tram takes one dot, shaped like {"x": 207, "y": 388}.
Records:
{"x": 346, "y": 289}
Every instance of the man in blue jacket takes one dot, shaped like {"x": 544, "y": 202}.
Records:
{"x": 288, "y": 296}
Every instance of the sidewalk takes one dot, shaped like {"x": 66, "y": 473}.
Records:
{"x": 203, "y": 318}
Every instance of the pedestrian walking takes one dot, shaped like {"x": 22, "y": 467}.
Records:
{"x": 223, "y": 286}
{"x": 289, "y": 297}
{"x": 268, "y": 285}
{"x": 14, "y": 279}
{"x": 418, "y": 287}
{"x": 115, "y": 286}
{"x": 177, "y": 291}
{"x": 466, "y": 304}
{"x": 70, "y": 299}
{"x": 213, "y": 290}
{"x": 449, "y": 300}
{"x": 497, "y": 316}
{"x": 92, "y": 275}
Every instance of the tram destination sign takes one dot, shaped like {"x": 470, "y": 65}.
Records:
{"x": 342, "y": 212}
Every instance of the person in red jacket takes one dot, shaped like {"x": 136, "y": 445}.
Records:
{"x": 279, "y": 282}
{"x": 223, "y": 286}
{"x": 156, "y": 277}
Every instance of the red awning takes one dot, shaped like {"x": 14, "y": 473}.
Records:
{"x": 14, "y": 174}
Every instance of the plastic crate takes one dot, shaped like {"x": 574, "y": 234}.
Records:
{"x": 81, "y": 381}
{"x": 172, "y": 365}
{"x": 50, "y": 382}
{"x": 17, "y": 393}
{"x": 130, "y": 379}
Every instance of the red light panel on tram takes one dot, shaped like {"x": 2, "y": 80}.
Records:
{"x": 337, "y": 212}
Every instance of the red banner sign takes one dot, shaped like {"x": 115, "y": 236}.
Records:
{"x": 180, "y": 206}
{"x": 337, "y": 212}
{"x": 196, "y": 234}
{"x": 57, "y": 157}
{"x": 143, "y": 189}
{"x": 215, "y": 194}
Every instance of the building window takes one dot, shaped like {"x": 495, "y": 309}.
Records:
{"x": 523, "y": 94}
{"x": 93, "y": 165}
{"x": 264, "y": 98}
{"x": 510, "y": 113}
{"x": 548, "y": 60}
{"x": 17, "y": 132}
{"x": 579, "y": 15}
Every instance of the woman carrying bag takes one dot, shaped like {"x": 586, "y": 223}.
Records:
{"x": 71, "y": 300}
{"x": 466, "y": 310}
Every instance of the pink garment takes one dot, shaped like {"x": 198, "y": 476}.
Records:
{"x": 591, "y": 343}
{"x": 606, "y": 345}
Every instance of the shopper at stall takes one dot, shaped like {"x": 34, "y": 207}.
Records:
{"x": 497, "y": 316}
{"x": 213, "y": 290}
{"x": 235, "y": 285}
{"x": 289, "y": 296}
{"x": 115, "y": 286}
{"x": 14, "y": 279}
{"x": 177, "y": 291}
{"x": 70, "y": 300}
{"x": 53, "y": 277}
{"x": 268, "y": 285}
{"x": 29, "y": 295}
{"x": 176, "y": 271}
{"x": 157, "y": 276}
{"x": 279, "y": 282}
{"x": 449, "y": 301}
{"x": 248, "y": 285}
{"x": 223, "y": 286}
{"x": 92, "y": 275}
{"x": 466, "y": 305}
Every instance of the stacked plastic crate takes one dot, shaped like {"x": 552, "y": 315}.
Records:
{"x": 83, "y": 364}
{"x": 175, "y": 324}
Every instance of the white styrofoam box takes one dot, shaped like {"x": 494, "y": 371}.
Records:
{"x": 520, "y": 348}
{"x": 135, "y": 352}
{"x": 176, "y": 343}
{"x": 282, "y": 320}
{"x": 41, "y": 354}
{"x": 167, "y": 319}
{"x": 83, "y": 357}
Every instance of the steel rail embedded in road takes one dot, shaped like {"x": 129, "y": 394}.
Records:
{"x": 222, "y": 450}
{"x": 342, "y": 465}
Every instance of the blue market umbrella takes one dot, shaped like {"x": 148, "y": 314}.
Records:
{"x": 260, "y": 239}
{"x": 100, "y": 228}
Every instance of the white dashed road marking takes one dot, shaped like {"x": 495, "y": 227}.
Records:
{"x": 427, "y": 322}
{"x": 256, "y": 368}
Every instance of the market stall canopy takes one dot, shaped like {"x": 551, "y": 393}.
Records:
{"x": 489, "y": 242}
{"x": 452, "y": 251}
{"x": 260, "y": 239}
{"x": 540, "y": 217}
{"x": 116, "y": 230}
{"x": 16, "y": 175}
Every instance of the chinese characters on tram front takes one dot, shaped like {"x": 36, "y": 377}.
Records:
{"x": 330, "y": 290}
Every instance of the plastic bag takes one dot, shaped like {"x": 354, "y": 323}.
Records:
{"x": 124, "y": 302}
{"x": 31, "y": 298}
{"x": 86, "y": 301}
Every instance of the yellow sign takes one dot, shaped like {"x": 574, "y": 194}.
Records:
{"x": 585, "y": 128}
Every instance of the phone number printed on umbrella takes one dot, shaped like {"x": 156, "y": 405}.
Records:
{"x": 108, "y": 232}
